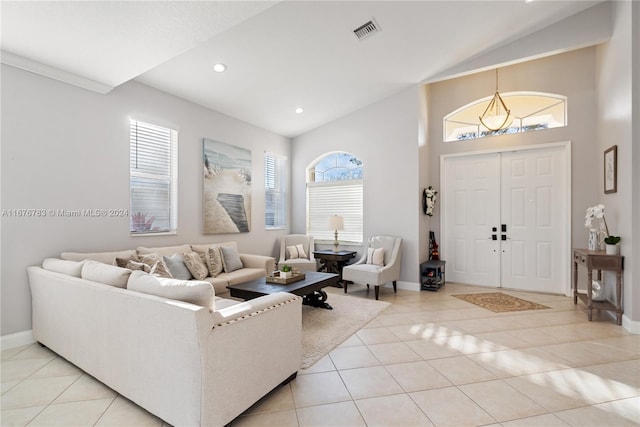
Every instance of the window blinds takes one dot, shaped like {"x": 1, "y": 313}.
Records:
{"x": 275, "y": 191}
{"x": 335, "y": 198}
{"x": 153, "y": 178}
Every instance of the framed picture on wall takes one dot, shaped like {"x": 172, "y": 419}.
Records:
{"x": 611, "y": 170}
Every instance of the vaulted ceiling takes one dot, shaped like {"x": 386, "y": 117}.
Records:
{"x": 280, "y": 55}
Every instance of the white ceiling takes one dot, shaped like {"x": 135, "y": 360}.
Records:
{"x": 281, "y": 55}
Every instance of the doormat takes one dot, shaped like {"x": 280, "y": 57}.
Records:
{"x": 499, "y": 302}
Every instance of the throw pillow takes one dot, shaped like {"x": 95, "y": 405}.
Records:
{"x": 230, "y": 259}
{"x": 292, "y": 252}
{"x": 132, "y": 264}
{"x": 176, "y": 267}
{"x": 158, "y": 267}
{"x": 191, "y": 291}
{"x": 196, "y": 266}
{"x": 375, "y": 256}
{"x": 213, "y": 259}
{"x": 301, "y": 252}
{"x": 295, "y": 252}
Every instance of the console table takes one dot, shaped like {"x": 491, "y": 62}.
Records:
{"x": 333, "y": 262}
{"x": 598, "y": 260}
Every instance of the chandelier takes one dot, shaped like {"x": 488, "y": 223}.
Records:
{"x": 496, "y": 116}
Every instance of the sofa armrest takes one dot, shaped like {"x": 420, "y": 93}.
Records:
{"x": 251, "y": 307}
{"x": 258, "y": 261}
{"x": 249, "y": 356}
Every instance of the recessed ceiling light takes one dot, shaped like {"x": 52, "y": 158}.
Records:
{"x": 299, "y": 110}
{"x": 219, "y": 67}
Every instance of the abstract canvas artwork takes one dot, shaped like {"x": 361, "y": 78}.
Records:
{"x": 226, "y": 188}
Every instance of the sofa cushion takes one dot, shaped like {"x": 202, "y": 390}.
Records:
{"x": 191, "y": 291}
{"x": 202, "y": 248}
{"x": 224, "y": 303}
{"x": 72, "y": 268}
{"x": 104, "y": 257}
{"x": 219, "y": 284}
{"x": 177, "y": 268}
{"x": 242, "y": 275}
{"x": 230, "y": 259}
{"x": 104, "y": 273}
{"x": 158, "y": 267}
{"x": 164, "y": 250}
{"x": 196, "y": 265}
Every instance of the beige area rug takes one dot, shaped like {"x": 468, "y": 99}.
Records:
{"x": 499, "y": 302}
{"x": 323, "y": 330}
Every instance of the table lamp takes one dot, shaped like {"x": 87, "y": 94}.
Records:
{"x": 336, "y": 222}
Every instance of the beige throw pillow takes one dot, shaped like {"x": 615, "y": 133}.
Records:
{"x": 196, "y": 266}
{"x": 213, "y": 259}
{"x": 292, "y": 252}
{"x": 375, "y": 256}
{"x": 133, "y": 264}
{"x": 158, "y": 267}
{"x": 295, "y": 252}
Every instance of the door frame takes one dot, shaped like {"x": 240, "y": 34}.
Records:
{"x": 565, "y": 251}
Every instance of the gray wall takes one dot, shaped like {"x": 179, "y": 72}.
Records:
{"x": 616, "y": 80}
{"x": 67, "y": 148}
{"x": 571, "y": 74}
{"x": 385, "y": 137}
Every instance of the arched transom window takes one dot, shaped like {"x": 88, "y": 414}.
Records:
{"x": 334, "y": 187}
{"x": 530, "y": 111}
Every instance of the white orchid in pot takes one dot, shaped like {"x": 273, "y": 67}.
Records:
{"x": 597, "y": 213}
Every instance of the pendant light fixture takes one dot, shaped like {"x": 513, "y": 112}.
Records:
{"x": 496, "y": 116}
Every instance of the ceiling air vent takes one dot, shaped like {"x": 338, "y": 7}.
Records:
{"x": 366, "y": 30}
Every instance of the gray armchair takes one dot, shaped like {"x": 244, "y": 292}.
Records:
{"x": 372, "y": 274}
{"x": 307, "y": 263}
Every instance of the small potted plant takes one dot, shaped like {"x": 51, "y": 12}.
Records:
{"x": 613, "y": 247}
{"x": 285, "y": 271}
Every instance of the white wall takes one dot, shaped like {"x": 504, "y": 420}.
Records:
{"x": 385, "y": 137}
{"x": 67, "y": 148}
{"x": 615, "y": 83}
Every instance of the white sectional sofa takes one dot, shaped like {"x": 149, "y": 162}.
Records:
{"x": 184, "y": 354}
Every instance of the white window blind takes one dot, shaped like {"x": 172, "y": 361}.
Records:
{"x": 153, "y": 178}
{"x": 275, "y": 200}
{"x": 325, "y": 199}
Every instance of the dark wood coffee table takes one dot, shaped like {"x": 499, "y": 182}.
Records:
{"x": 309, "y": 288}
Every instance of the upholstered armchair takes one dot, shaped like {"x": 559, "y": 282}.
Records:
{"x": 380, "y": 264}
{"x": 291, "y": 253}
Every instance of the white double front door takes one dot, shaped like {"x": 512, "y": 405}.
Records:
{"x": 505, "y": 219}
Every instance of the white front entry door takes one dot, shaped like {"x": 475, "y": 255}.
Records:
{"x": 505, "y": 219}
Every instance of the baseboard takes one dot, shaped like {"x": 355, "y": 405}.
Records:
{"x": 16, "y": 340}
{"x": 631, "y": 326}
{"x": 408, "y": 286}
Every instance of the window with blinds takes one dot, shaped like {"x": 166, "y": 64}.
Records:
{"x": 334, "y": 187}
{"x": 153, "y": 178}
{"x": 275, "y": 200}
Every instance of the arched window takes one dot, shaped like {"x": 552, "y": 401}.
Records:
{"x": 334, "y": 187}
{"x": 530, "y": 111}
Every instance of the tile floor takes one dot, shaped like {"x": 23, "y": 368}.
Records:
{"x": 429, "y": 359}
